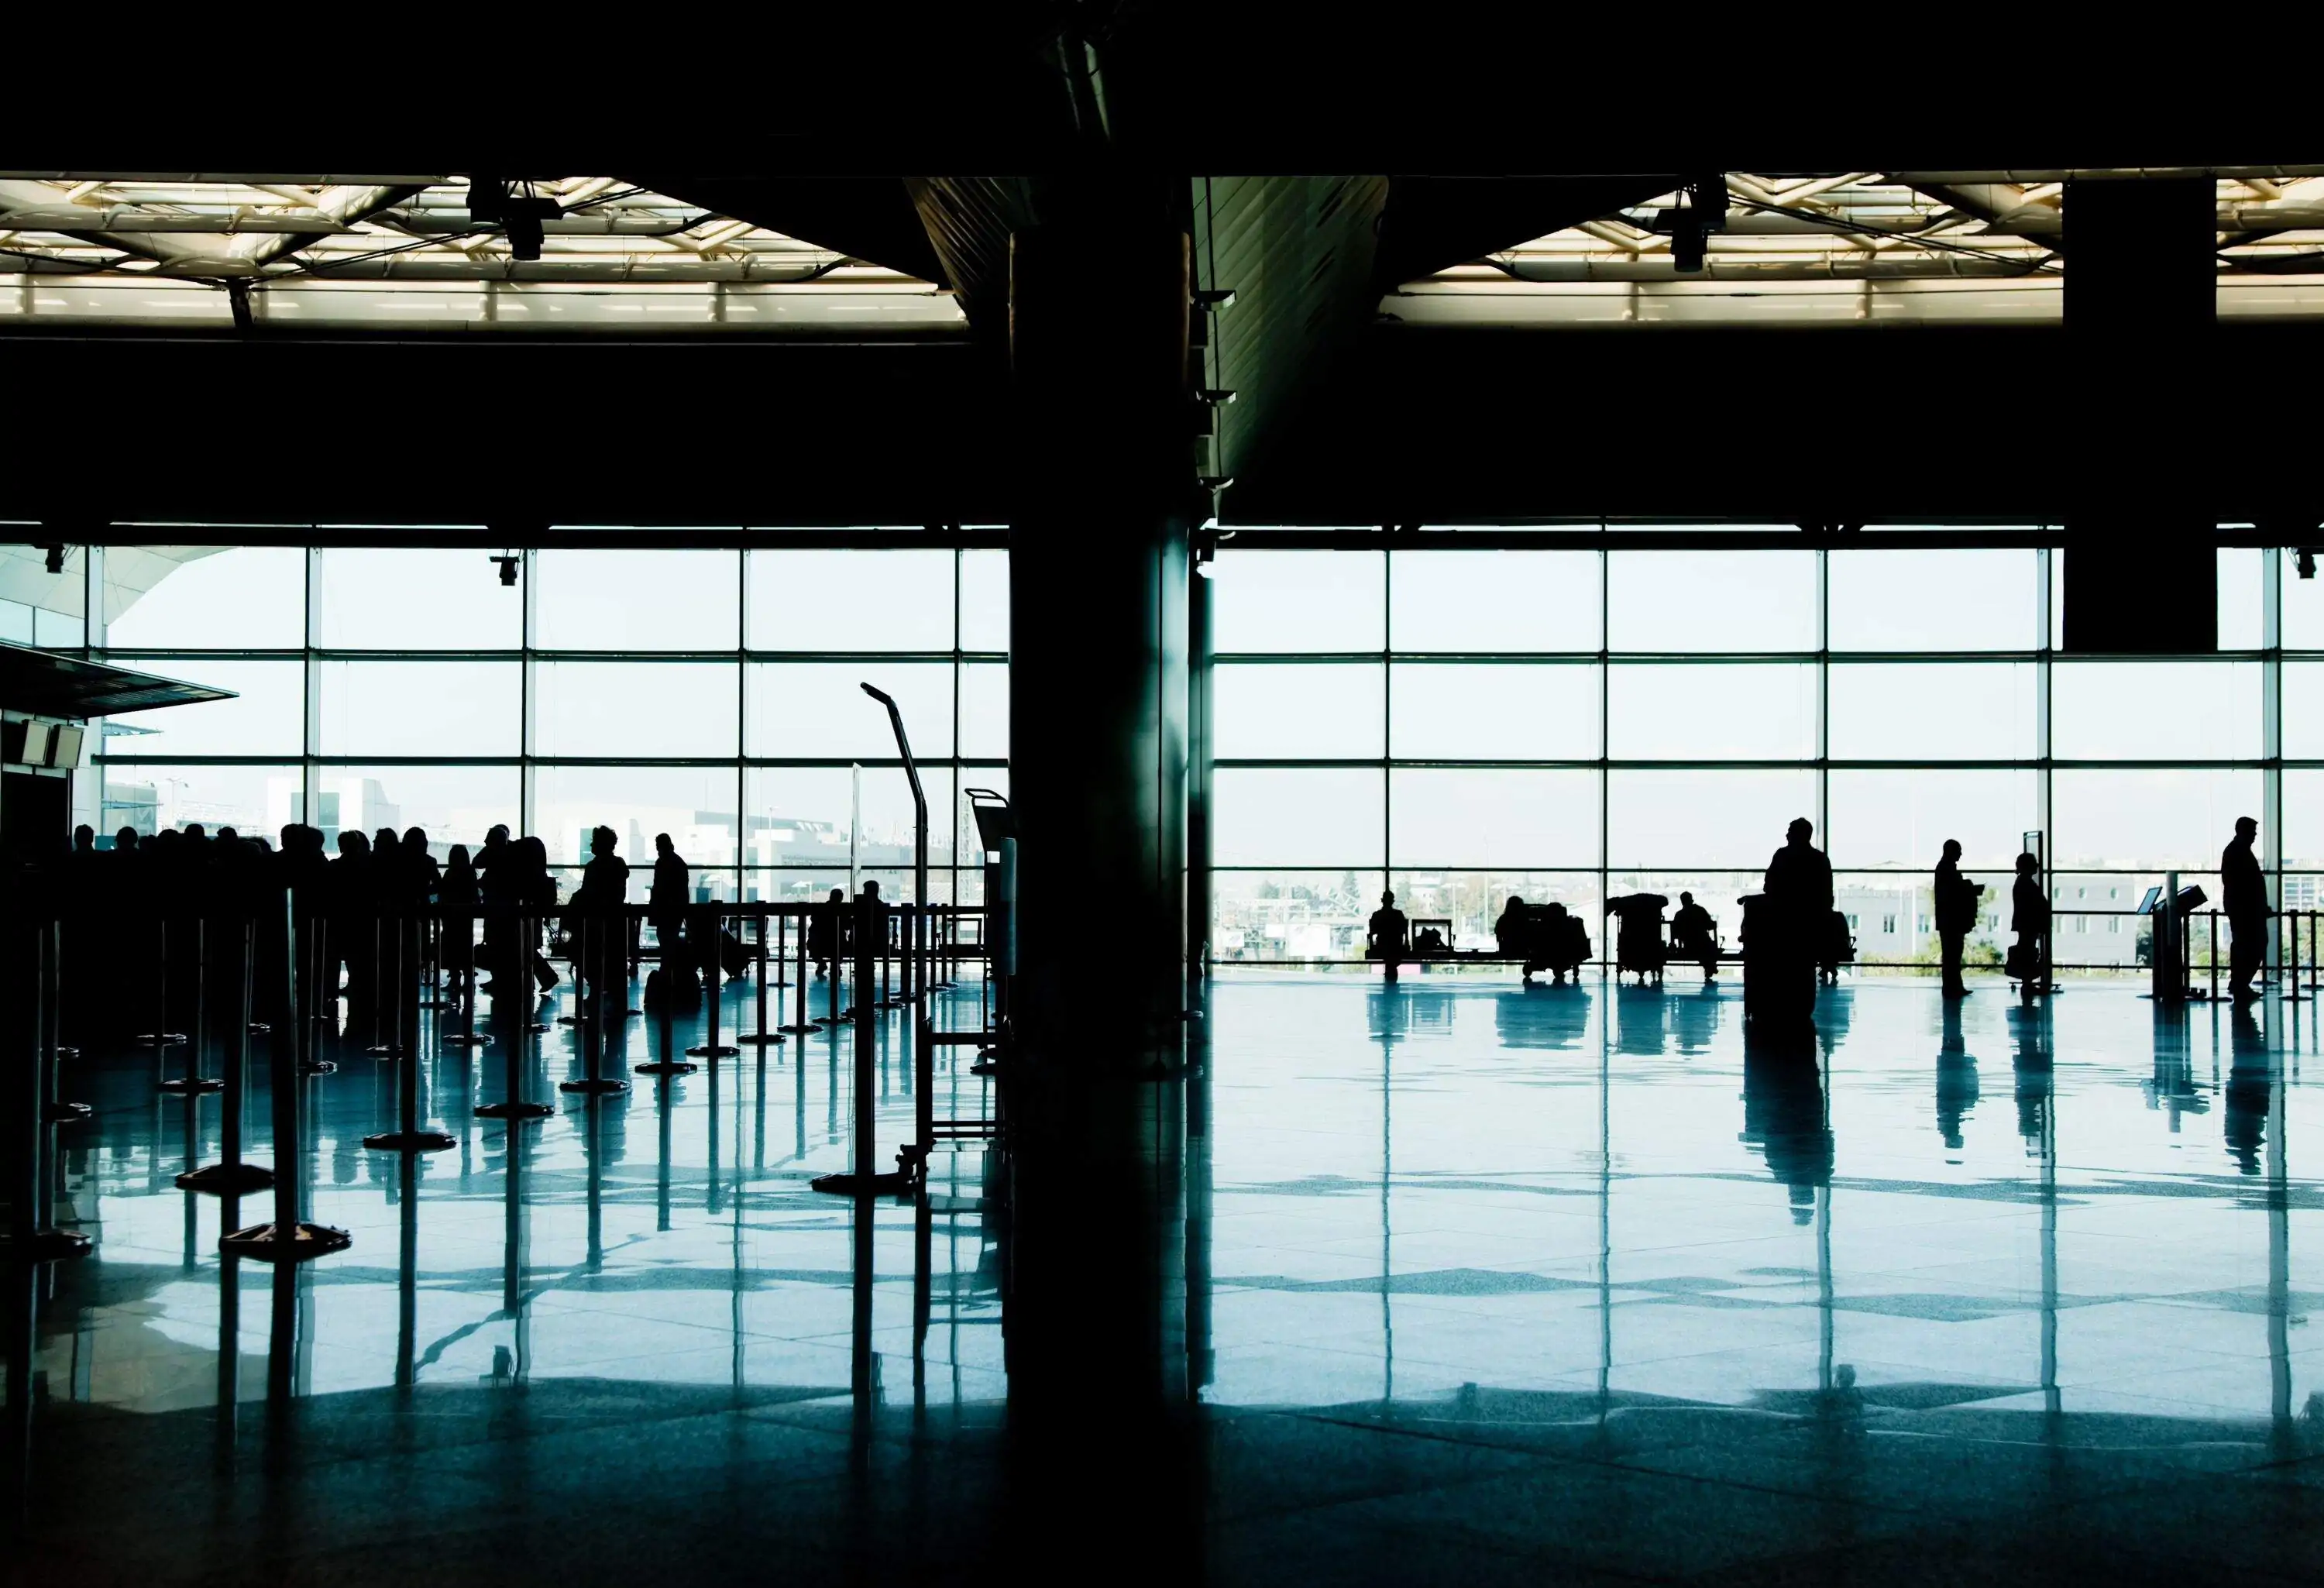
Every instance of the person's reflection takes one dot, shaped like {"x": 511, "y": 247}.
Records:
{"x": 2029, "y": 1030}
{"x": 1957, "y": 1090}
{"x": 1638, "y": 1021}
{"x": 1835, "y": 1011}
{"x": 1694, "y": 1018}
{"x": 2172, "y": 1087}
{"x": 1784, "y": 1116}
{"x": 1529, "y": 1019}
{"x": 2251, "y": 1073}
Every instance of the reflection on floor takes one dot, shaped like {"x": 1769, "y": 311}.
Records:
{"x": 1481, "y": 1283}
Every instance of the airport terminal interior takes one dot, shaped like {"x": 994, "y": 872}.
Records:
{"x": 932, "y": 914}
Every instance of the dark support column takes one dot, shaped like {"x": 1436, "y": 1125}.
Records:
{"x": 2141, "y": 565}
{"x": 1098, "y": 682}
{"x": 1200, "y": 751}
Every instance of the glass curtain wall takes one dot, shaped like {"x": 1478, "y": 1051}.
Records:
{"x": 1464, "y": 724}
{"x": 714, "y": 694}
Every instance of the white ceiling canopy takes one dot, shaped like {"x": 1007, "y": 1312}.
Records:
{"x": 404, "y": 254}
{"x": 1871, "y": 246}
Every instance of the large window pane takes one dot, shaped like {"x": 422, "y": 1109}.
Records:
{"x": 419, "y": 598}
{"x": 254, "y": 800}
{"x": 229, "y": 598}
{"x": 1476, "y": 601}
{"x": 1716, "y": 891}
{"x": 1901, "y": 819}
{"x": 2243, "y": 597}
{"x": 1477, "y": 819}
{"x": 1746, "y": 711}
{"x": 422, "y": 707}
{"x": 1493, "y": 711}
{"x": 804, "y": 816}
{"x": 268, "y": 718}
{"x": 2154, "y": 710}
{"x": 851, "y": 600}
{"x": 1950, "y": 600}
{"x": 455, "y": 804}
{"x": 2303, "y": 710}
{"x": 2303, "y": 608}
{"x": 983, "y": 711}
{"x": 640, "y": 709}
{"x": 818, "y": 708}
{"x": 1294, "y": 819}
{"x": 656, "y": 600}
{"x": 1473, "y": 900}
{"x": 1299, "y": 601}
{"x": 2302, "y": 842}
{"x": 1282, "y": 710}
{"x": 1725, "y": 819}
{"x": 984, "y": 601}
{"x": 1680, "y": 601}
{"x": 1292, "y": 915}
{"x": 2149, "y": 819}
{"x": 693, "y": 804}
{"x": 1935, "y": 711}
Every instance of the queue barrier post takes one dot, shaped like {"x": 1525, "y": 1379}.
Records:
{"x": 864, "y": 1180}
{"x": 763, "y": 1035}
{"x": 593, "y": 1082}
{"x": 671, "y": 1063}
{"x": 802, "y": 1023}
{"x": 287, "y": 1238}
{"x": 32, "y": 1237}
{"x": 388, "y": 973}
{"x": 306, "y": 949}
{"x": 54, "y": 1109}
{"x": 160, "y": 1035}
{"x": 468, "y": 1036}
{"x": 408, "y": 1138}
{"x": 713, "y": 977}
{"x": 193, "y": 1082}
{"x": 230, "y": 1175}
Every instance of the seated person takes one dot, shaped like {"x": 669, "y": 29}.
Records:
{"x": 1385, "y": 937}
{"x": 1694, "y": 935}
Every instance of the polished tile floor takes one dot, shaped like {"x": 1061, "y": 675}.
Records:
{"x": 1480, "y": 1283}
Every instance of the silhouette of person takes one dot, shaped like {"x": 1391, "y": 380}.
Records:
{"x": 2243, "y": 895}
{"x": 1694, "y": 935}
{"x": 460, "y": 892}
{"x": 879, "y": 925}
{"x": 1956, "y": 906}
{"x": 125, "y": 840}
{"x": 2029, "y": 918}
{"x": 1386, "y": 934}
{"x": 536, "y": 889}
{"x": 823, "y": 933}
{"x": 84, "y": 840}
{"x": 667, "y": 896}
{"x": 600, "y": 902}
{"x": 1797, "y": 888}
{"x": 352, "y": 912}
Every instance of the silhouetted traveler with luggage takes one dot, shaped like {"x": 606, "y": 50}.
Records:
{"x": 668, "y": 896}
{"x": 823, "y": 934}
{"x": 2029, "y": 918}
{"x": 459, "y": 892}
{"x": 1386, "y": 936}
{"x": 2243, "y": 895}
{"x": 1956, "y": 900}
{"x": 1797, "y": 894}
{"x": 1694, "y": 935}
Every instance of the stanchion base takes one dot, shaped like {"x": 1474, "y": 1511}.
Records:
{"x": 896, "y": 1184}
{"x": 318, "y": 1067}
{"x": 805, "y": 1028}
{"x": 258, "y": 1028}
{"x": 65, "y": 1113}
{"x": 476, "y": 1040}
{"x": 265, "y": 1243}
{"x": 437, "y": 1004}
{"x": 160, "y": 1039}
{"x": 669, "y": 1067}
{"x": 226, "y": 1179}
{"x": 573, "y": 1019}
{"x": 599, "y": 1087}
{"x": 410, "y": 1141}
{"x": 188, "y": 1085}
{"x": 385, "y": 1052}
{"x": 760, "y": 1038}
{"x": 536, "y": 1028}
{"x": 514, "y": 1111}
{"x": 714, "y": 1050}
{"x": 48, "y": 1246}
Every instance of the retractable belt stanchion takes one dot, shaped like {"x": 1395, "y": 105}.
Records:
{"x": 308, "y": 950}
{"x": 468, "y": 1036}
{"x": 160, "y": 1035}
{"x": 671, "y": 1063}
{"x": 713, "y": 993}
{"x": 408, "y": 1137}
{"x": 286, "y": 1239}
{"x": 593, "y": 1081}
{"x": 2212, "y": 928}
{"x": 765, "y": 1035}
{"x": 193, "y": 1081}
{"x": 863, "y": 1180}
{"x": 388, "y": 975}
{"x": 230, "y": 1175}
{"x": 802, "y": 1022}
{"x": 31, "y": 1238}
{"x": 831, "y": 1001}
{"x": 515, "y": 1053}
{"x": 54, "y": 1109}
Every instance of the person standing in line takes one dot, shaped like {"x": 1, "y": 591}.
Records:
{"x": 1386, "y": 934}
{"x": 2243, "y": 895}
{"x": 2029, "y": 918}
{"x": 666, "y": 896}
{"x": 1956, "y": 906}
{"x": 1798, "y": 890}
